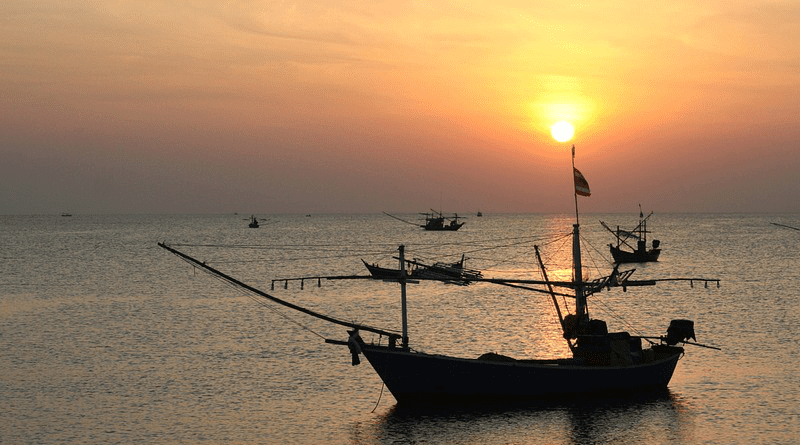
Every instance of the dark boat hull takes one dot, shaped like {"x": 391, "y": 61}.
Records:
{"x": 624, "y": 256}
{"x": 437, "y": 271}
{"x": 382, "y": 272}
{"x": 414, "y": 377}
{"x": 437, "y": 222}
{"x": 443, "y": 227}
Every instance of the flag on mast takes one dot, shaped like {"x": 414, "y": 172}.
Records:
{"x": 581, "y": 186}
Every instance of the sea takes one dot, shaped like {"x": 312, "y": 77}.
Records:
{"x": 105, "y": 337}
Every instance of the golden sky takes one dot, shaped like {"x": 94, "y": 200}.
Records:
{"x": 333, "y": 106}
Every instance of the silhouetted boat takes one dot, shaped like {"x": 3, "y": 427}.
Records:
{"x": 384, "y": 272}
{"x": 253, "y": 222}
{"x": 454, "y": 273}
{"x": 447, "y": 272}
{"x": 638, "y": 254}
{"x": 601, "y": 361}
{"x": 437, "y": 221}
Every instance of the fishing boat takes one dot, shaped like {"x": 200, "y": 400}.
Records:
{"x": 438, "y": 221}
{"x": 384, "y": 272}
{"x": 454, "y": 273}
{"x": 638, "y": 254}
{"x": 253, "y": 222}
{"x": 435, "y": 221}
{"x": 601, "y": 361}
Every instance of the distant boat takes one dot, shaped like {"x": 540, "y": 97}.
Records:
{"x": 479, "y": 213}
{"x": 454, "y": 273}
{"x": 447, "y": 272}
{"x": 65, "y": 214}
{"x": 385, "y": 272}
{"x": 638, "y": 254}
{"x": 437, "y": 221}
{"x": 253, "y": 222}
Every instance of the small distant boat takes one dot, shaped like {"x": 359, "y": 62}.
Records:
{"x": 437, "y": 221}
{"x": 65, "y": 214}
{"x": 638, "y": 254}
{"x": 480, "y": 213}
{"x": 253, "y": 222}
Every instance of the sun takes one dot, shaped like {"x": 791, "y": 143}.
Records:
{"x": 562, "y": 131}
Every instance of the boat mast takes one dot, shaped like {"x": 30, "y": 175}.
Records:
{"x": 403, "y": 307}
{"x": 642, "y": 225}
{"x": 575, "y": 190}
{"x": 580, "y": 298}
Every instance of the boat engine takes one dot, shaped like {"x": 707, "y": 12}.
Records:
{"x": 680, "y": 331}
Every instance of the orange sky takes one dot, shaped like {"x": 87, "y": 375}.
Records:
{"x": 330, "y": 106}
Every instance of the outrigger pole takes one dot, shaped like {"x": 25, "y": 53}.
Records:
{"x": 553, "y": 295}
{"x": 400, "y": 219}
{"x": 784, "y": 225}
{"x": 203, "y": 266}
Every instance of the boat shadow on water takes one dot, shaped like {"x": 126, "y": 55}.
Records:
{"x": 654, "y": 416}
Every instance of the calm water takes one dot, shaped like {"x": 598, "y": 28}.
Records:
{"x": 105, "y": 337}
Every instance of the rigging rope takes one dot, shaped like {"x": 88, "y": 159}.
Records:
{"x": 263, "y": 303}
{"x": 281, "y": 314}
{"x": 342, "y": 251}
{"x": 379, "y": 397}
